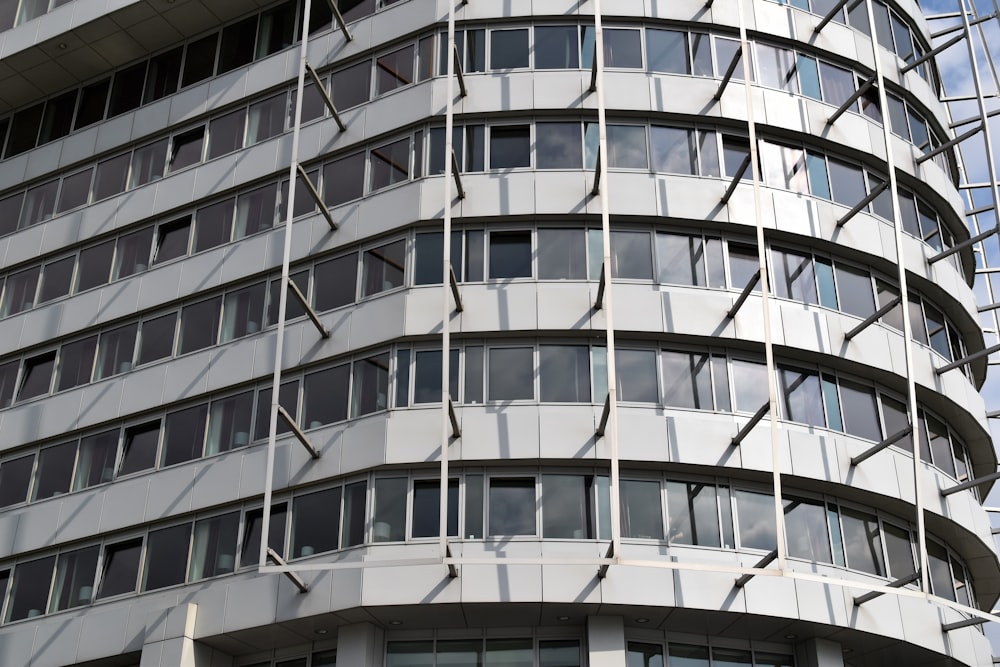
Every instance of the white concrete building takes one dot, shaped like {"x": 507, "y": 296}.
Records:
{"x": 681, "y": 464}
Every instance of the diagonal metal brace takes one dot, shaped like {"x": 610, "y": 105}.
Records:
{"x": 452, "y": 570}
{"x": 745, "y": 431}
{"x": 849, "y": 102}
{"x": 737, "y": 177}
{"x": 294, "y": 289}
{"x": 454, "y": 289}
{"x": 948, "y": 145}
{"x": 729, "y": 73}
{"x": 969, "y": 622}
{"x": 763, "y": 562}
{"x": 340, "y": 20}
{"x": 754, "y": 279}
{"x": 958, "y": 247}
{"x": 875, "y": 449}
{"x": 972, "y": 357}
{"x": 456, "y": 430}
{"x": 863, "y": 204}
{"x": 833, "y": 13}
{"x": 874, "y": 317}
{"x": 456, "y": 175}
{"x": 930, "y": 54}
{"x": 287, "y": 418}
{"x": 596, "y": 190}
{"x": 603, "y": 425}
{"x": 314, "y": 193}
{"x": 295, "y": 579}
{"x": 969, "y": 483}
{"x": 458, "y": 71}
{"x": 601, "y": 284}
{"x": 899, "y": 583}
{"x": 326, "y": 97}
{"x": 602, "y": 571}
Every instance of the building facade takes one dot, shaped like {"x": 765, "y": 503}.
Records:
{"x": 682, "y": 394}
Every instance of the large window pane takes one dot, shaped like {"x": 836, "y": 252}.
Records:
{"x": 512, "y": 506}
{"x": 564, "y": 373}
{"x": 55, "y": 470}
{"x": 75, "y": 190}
{"x": 214, "y": 550}
{"x": 862, "y": 542}
{"x": 389, "y": 524}
{"x": 139, "y": 447}
{"x": 899, "y": 551}
{"x": 631, "y": 256}
{"x": 325, "y": 396}
{"x": 390, "y": 164}
{"x": 558, "y": 145}
{"x": 354, "y": 513}
{"x": 350, "y": 87}
{"x": 801, "y": 396}
{"x": 344, "y": 179}
{"x": 383, "y": 268}
{"x": 157, "y": 338}
{"x": 687, "y": 380}
{"x": 755, "y": 515}
{"x": 749, "y": 385}
{"x": 805, "y": 530}
{"x": 184, "y": 435}
{"x": 315, "y": 522}
{"x": 693, "y": 514}
{"x": 636, "y": 376}
{"x": 266, "y": 119}
{"x": 510, "y": 254}
{"x": 860, "y": 411}
{"x": 229, "y": 423}
{"x": 19, "y": 292}
{"x": 225, "y": 133}
{"x": 76, "y": 363}
{"x": 166, "y": 557}
{"x": 371, "y": 385}
{"x": 511, "y": 374}
{"x": 556, "y": 47}
{"x": 288, "y": 398}
{"x": 641, "y": 510}
{"x": 121, "y": 568}
{"x": 335, "y": 282}
{"x": 74, "y": 584}
{"x": 57, "y": 279}
{"x": 394, "y": 70}
{"x": 30, "y": 591}
{"x": 148, "y": 163}
{"x": 667, "y": 51}
{"x": 673, "y": 150}
{"x": 237, "y": 47}
{"x": 132, "y": 254}
{"x": 114, "y": 354}
{"x": 252, "y": 531}
{"x": 508, "y": 49}
{"x": 510, "y": 146}
{"x": 95, "y": 265}
{"x": 242, "y": 312}
{"x": 187, "y": 148}
{"x": 96, "y": 463}
{"x": 199, "y": 325}
{"x": 36, "y": 378}
{"x": 427, "y": 376}
{"x": 427, "y": 508}
{"x": 567, "y": 506}
{"x": 15, "y": 477}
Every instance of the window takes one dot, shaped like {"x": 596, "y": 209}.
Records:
{"x": 673, "y": 150}
{"x": 394, "y": 70}
{"x": 225, "y": 133}
{"x": 427, "y": 508}
{"x": 512, "y": 506}
{"x": 184, "y": 435}
{"x": 166, "y": 557}
{"x": 75, "y": 190}
{"x": 556, "y": 47}
{"x": 252, "y": 528}
{"x": 199, "y": 325}
{"x": 36, "y": 377}
{"x": 806, "y": 530}
{"x": 749, "y": 385}
{"x": 266, "y": 119}
{"x": 315, "y": 517}
{"x": 564, "y": 373}
{"x": 777, "y": 68}
{"x": 687, "y": 378}
{"x": 57, "y": 279}
{"x": 510, "y": 146}
{"x": 187, "y": 149}
{"x": 214, "y": 225}
{"x": 229, "y": 423}
{"x": 114, "y": 353}
{"x": 621, "y": 48}
{"x": 508, "y": 49}
{"x": 427, "y": 376}
{"x": 667, "y": 51}
{"x": 30, "y": 591}
{"x": 39, "y": 203}
{"x": 19, "y": 293}
{"x": 293, "y": 308}
{"x": 121, "y": 568}
{"x": 636, "y": 376}
{"x": 389, "y": 523}
{"x": 255, "y": 211}
{"x": 148, "y": 163}
{"x": 277, "y": 30}
{"x": 96, "y": 463}
{"x": 237, "y": 48}
{"x": 163, "y": 75}
{"x": 940, "y": 574}
{"x": 350, "y": 87}
{"x": 172, "y": 240}
{"x": 214, "y": 550}
{"x": 132, "y": 255}
{"x": 74, "y": 584}
{"x": 848, "y": 183}
{"x": 510, "y": 255}
{"x": 557, "y": 145}
{"x": 76, "y": 363}
{"x": 801, "y": 396}
{"x": 631, "y": 256}
{"x": 354, "y": 513}
{"x": 383, "y": 268}
{"x": 860, "y": 411}
{"x": 511, "y": 374}
{"x": 304, "y": 202}
{"x": 24, "y": 127}
{"x": 626, "y": 146}
{"x": 562, "y": 254}
{"x": 10, "y": 212}
{"x": 335, "y": 282}
{"x": 755, "y": 512}
{"x": 862, "y": 542}
{"x": 899, "y": 551}
{"x": 55, "y": 470}
{"x": 93, "y": 100}
{"x": 126, "y": 91}
{"x": 568, "y": 506}
{"x": 645, "y": 655}
{"x": 344, "y": 179}
{"x": 15, "y": 478}
{"x": 95, "y": 265}
{"x": 641, "y": 513}
{"x": 288, "y": 398}
{"x": 371, "y": 385}
{"x": 8, "y": 378}
{"x": 139, "y": 447}
{"x": 156, "y": 339}
{"x": 242, "y": 312}
{"x": 390, "y": 164}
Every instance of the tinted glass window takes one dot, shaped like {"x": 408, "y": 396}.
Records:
{"x": 15, "y": 476}
{"x": 508, "y": 48}
{"x": 229, "y": 423}
{"x": 511, "y": 374}
{"x": 37, "y": 376}
{"x": 76, "y": 363}
{"x": 96, "y": 462}
{"x": 394, "y": 70}
{"x": 111, "y": 175}
{"x": 641, "y": 510}
{"x": 55, "y": 470}
{"x": 93, "y": 100}
{"x": 75, "y": 191}
{"x": 214, "y": 225}
{"x": 390, "y": 164}
{"x": 266, "y": 119}
{"x": 157, "y": 338}
{"x": 350, "y": 87}
{"x": 121, "y": 568}
{"x": 558, "y": 146}
{"x": 510, "y": 254}
{"x": 238, "y": 42}
{"x": 344, "y": 179}
{"x": 166, "y": 557}
{"x": 126, "y": 91}
{"x": 564, "y": 373}
{"x": 556, "y": 47}
{"x": 30, "y": 591}
{"x": 383, "y": 268}
{"x": 255, "y": 211}
{"x": 74, "y": 584}
{"x": 636, "y": 376}
{"x": 667, "y": 51}
{"x": 335, "y": 282}
{"x": 139, "y": 447}
{"x": 562, "y": 254}
{"x": 510, "y": 147}
{"x": 184, "y": 435}
{"x": 427, "y": 508}
{"x": 199, "y": 325}
{"x": 512, "y": 506}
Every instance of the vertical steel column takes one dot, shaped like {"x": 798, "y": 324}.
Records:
{"x": 611, "y": 433}
{"x": 283, "y": 292}
{"x": 765, "y": 294}
{"x": 445, "y": 282}
{"x": 904, "y": 294}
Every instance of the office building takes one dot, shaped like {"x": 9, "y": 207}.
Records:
{"x": 704, "y": 297}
